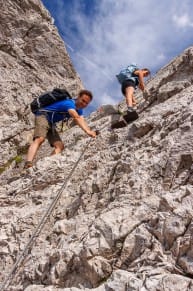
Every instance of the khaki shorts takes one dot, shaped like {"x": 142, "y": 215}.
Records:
{"x": 46, "y": 130}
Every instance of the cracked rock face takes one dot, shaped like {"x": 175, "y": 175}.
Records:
{"x": 33, "y": 59}
{"x": 123, "y": 219}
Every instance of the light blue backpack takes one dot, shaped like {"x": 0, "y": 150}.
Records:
{"x": 127, "y": 74}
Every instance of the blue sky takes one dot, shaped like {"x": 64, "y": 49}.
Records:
{"x": 102, "y": 36}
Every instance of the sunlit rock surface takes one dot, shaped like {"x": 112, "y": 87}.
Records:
{"x": 33, "y": 59}
{"x": 123, "y": 220}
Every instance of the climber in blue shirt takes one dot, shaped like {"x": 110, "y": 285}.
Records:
{"x": 54, "y": 110}
{"x": 46, "y": 118}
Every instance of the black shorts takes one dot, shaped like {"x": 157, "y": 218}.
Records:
{"x": 127, "y": 83}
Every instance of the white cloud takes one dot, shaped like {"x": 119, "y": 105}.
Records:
{"x": 182, "y": 21}
{"x": 161, "y": 57}
{"x": 107, "y": 99}
{"x": 119, "y": 32}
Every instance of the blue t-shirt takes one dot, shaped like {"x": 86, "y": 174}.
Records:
{"x": 54, "y": 110}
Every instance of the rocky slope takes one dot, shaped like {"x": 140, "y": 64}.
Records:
{"x": 33, "y": 59}
{"x": 122, "y": 214}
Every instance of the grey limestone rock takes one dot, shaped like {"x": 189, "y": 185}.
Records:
{"x": 123, "y": 220}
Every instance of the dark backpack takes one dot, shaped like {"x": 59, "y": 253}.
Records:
{"x": 49, "y": 98}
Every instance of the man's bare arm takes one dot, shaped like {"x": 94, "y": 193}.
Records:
{"x": 80, "y": 121}
{"x": 139, "y": 73}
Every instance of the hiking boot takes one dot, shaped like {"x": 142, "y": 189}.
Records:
{"x": 28, "y": 164}
{"x": 130, "y": 115}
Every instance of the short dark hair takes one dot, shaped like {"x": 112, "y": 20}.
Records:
{"x": 85, "y": 92}
{"x": 145, "y": 69}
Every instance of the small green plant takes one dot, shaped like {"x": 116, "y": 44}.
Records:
{"x": 2, "y": 169}
{"x": 17, "y": 159}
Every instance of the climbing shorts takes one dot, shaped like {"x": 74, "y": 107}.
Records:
{"x": 127, "y": 83}
{"x": 45, "y": 129}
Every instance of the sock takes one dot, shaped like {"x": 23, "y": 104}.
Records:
{"x": 130, "y": 109}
